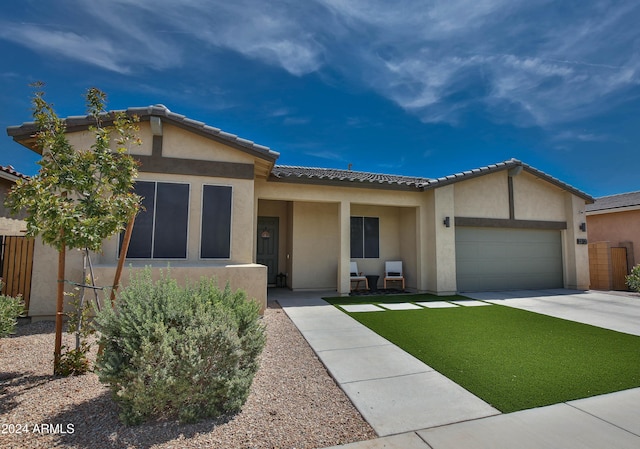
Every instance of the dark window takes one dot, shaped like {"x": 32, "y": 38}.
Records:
{"x": 215, "y": 242}
{"x": 160, "y": 229}
{"x": 365, "y": 237}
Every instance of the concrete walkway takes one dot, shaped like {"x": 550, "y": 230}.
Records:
{"x": 411, "y": 406}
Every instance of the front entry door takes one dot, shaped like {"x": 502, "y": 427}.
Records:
{"x": 267, "y": 246}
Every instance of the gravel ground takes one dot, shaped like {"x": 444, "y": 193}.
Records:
{"x": 294, "y": 403}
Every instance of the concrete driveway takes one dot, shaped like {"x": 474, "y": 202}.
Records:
{"x": 611, "y": 310}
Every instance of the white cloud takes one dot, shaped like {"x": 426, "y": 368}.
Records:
{"x": 527, "y": 63}
{"x": 270, "y": 32}
{"x": 99, "y": 52}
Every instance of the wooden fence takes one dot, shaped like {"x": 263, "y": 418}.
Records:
{"x": 608, "y": 266}
{"x": 16, "y": 263}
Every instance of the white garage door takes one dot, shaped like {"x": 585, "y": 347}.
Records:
{"x": 508, "y": 259}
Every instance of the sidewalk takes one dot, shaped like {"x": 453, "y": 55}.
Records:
{"x": 411, "y": 406}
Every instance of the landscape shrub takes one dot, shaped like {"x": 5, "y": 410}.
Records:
{"x": 75, "y": 362}
{"x": 10, "y": 309}
{"x": 178, "y": 352}
{"x": 633, "y": 279}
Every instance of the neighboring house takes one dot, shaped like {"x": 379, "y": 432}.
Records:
{"x": 16, "y": 252}
{"x": 613, "y": 226}
{"x": 218, "y": 205}
{"x": 9, "y": 224}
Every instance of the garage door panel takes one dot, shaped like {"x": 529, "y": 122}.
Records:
{"x": 502, "y": 259}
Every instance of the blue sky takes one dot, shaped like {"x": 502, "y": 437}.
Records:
{"x": 423, "y": 88}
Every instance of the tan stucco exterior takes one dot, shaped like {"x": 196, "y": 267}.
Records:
{"x": 485, "y": 197}
{"x": 536, "y": 199}
{"x": 616, "y": 226}
{"x": 314, "y": 219}
{"x": 10, "y": 224}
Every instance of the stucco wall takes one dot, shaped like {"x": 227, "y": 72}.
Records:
{"x": 443, "y": 280}
{"x": 535, "y": 199}
{"x": 9, "y": 224}
{"x": 180, "y": 144}
{"x": 398, "y": 212}
{"x": 397, "y": 240}
{"x": 187, "y": 145}
{"x": 575, "y": 256}
{"x": 616, "y": 227}
{"x": 486, "y": 196}
{"x": 242, "y": 239}
{"x": 83, "y": 140}
{"x": 316, "y": 245}
{"x": 44, "y": 280}
{"x": 251, "y": 278}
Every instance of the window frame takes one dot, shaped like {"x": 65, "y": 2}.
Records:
{"x": 153, "y": 222}
{"x": 365, "y": 238}
{"x": 202, "y": 224}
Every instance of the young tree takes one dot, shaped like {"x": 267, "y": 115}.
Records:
{"x": 80, "y": 196}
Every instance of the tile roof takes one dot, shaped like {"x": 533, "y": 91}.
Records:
{"x": 506, "y": 165}
{"x": 27, "y": 129}
{"x": 615, "y": 201}
{"x": 333, "y": 176}
{"x": 8, "y": 172}
{"x": 366, "y": 179}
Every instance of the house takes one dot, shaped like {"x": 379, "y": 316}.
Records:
{"x": 613, "y": 226}
{"x": 217, "y": 204}
{"x": 16, "y": 251}
{"x": 9, "y": 224}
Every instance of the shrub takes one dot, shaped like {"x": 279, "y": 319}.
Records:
{"x": 633, "y": 279}
{"x": 75, "y": 362}
{"x": 170, "y": 352}
{"x": 10, "y": 310}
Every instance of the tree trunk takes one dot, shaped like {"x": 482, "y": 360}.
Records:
{"x": 123, "y": 256}
{"x": 59, "y": 310}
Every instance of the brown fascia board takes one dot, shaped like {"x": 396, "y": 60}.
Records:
{"x": 506, "y": 165}
{"x": 25, "y": 133}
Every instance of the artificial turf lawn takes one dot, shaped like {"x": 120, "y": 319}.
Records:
{"x": 513, "y": 359}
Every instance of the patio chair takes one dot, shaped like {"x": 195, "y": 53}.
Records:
{"x": 393, "y": 272}
{"x": 357, "y": 277}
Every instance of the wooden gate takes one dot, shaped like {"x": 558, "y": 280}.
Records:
{"x": 608, "y": 266}
{"x": 619, "y": 268}
{"x": 16, "y": 264}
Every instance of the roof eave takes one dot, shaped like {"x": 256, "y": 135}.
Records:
{"x": 25, "y": 134}
{"x": 344, "y": 183}
{"x": 506, "y": 165}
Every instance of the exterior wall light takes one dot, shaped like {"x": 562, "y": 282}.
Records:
{"x": 447, "y": 222}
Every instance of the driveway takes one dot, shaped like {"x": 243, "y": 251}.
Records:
{"x": 616, "y": 311}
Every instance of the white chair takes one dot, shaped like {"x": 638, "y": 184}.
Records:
{"x": 357, "y": 277}
{"x": 393, "y": 272}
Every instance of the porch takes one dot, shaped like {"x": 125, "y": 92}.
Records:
{"x": 311, "y": 242}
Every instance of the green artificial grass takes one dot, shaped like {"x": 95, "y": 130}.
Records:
{"x": 512, "y": 359}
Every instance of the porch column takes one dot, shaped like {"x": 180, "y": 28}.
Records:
{"x": 422, "y": 259}
{"x": 445, "y": 241}
{"x": 576, "y": 255}
{"x": 344, "y": 218}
